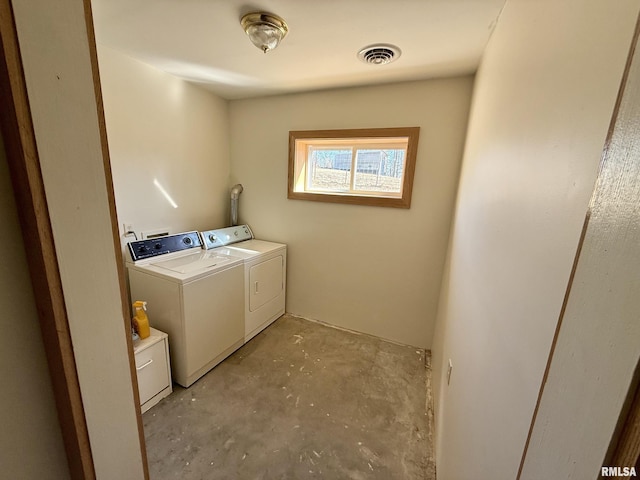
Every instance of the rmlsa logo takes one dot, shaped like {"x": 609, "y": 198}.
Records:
{"x": 618, "y": 471}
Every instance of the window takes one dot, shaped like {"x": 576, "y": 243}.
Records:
{"x": 364, "y": 167}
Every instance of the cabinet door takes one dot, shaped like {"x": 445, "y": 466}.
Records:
{"x": 151, "y": 367}
{"x": 265, "y": 282}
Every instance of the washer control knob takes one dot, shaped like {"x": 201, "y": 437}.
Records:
{"x": 157, "y": 246}
{"x": 212, "y": 238}
{"x": 235, "y": 233}
{"x": 142, "y": 249}
{"x": 187, "y": 241}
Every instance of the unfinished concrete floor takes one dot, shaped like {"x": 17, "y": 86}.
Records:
{"x": 300, "y": 400}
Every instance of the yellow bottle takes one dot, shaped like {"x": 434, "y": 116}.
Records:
{"x": 141, "y": 319}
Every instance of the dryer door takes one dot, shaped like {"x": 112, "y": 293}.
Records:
{"x": 265, "y": 282}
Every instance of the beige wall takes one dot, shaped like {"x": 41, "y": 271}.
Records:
{"x": 30, "y": 438}
{"x": 55, "y": 53}
{"x": 542, "y": 104}
{"x": 371, "y": 269}
{"x": 163, "y": 128}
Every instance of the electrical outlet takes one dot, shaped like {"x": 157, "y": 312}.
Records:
{"x": 127, "y": 227}
{"x": 449, "y": 370}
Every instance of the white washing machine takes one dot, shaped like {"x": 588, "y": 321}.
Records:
{"x": 194, "y": 295}
{"x": 265, "y": 273}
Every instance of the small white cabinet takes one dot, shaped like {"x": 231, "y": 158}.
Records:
{"x": 153, "y": 369}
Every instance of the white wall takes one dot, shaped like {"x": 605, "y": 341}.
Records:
{"x": 542, "y": 103}
{"x": 30, "y": 438}
{"x": 54, "y": 46}
{"x": 371, "y": 269}
{"x": 163, "y": 128}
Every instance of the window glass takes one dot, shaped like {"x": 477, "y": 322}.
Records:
{"x": 379, "y": 170}
{"x": 329, "y": 169}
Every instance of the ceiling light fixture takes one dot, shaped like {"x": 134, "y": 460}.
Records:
{"x": 265, "y": 30}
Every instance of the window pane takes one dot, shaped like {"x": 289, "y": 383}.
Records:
{"x": 329, "y": 169}
{"x": 379, "y": 170}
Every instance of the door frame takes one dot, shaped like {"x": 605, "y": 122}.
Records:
{"x": 16, "y": 124}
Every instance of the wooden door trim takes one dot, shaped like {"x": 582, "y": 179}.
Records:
{"x": 28, "y": 186}
{"x": 126, "y": 312}
{"x": 626, "y": 445}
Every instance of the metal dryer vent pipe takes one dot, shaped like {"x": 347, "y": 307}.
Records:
{"x": 236, "y": 190}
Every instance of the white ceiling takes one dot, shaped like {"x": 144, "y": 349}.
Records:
{"x": 202, "y": 41}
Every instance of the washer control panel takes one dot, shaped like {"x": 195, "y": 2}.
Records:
{"x": 225, "y": 236}
{"x": 152, "y": 247}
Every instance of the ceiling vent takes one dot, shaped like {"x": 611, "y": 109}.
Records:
{"x": 380, "y": 54}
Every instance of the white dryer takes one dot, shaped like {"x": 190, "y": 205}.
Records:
{"x": 265, "y": 273}
{"x": 194, "y": 295}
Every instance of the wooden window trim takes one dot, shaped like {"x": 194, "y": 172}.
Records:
{"x": 347, "y": 137}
